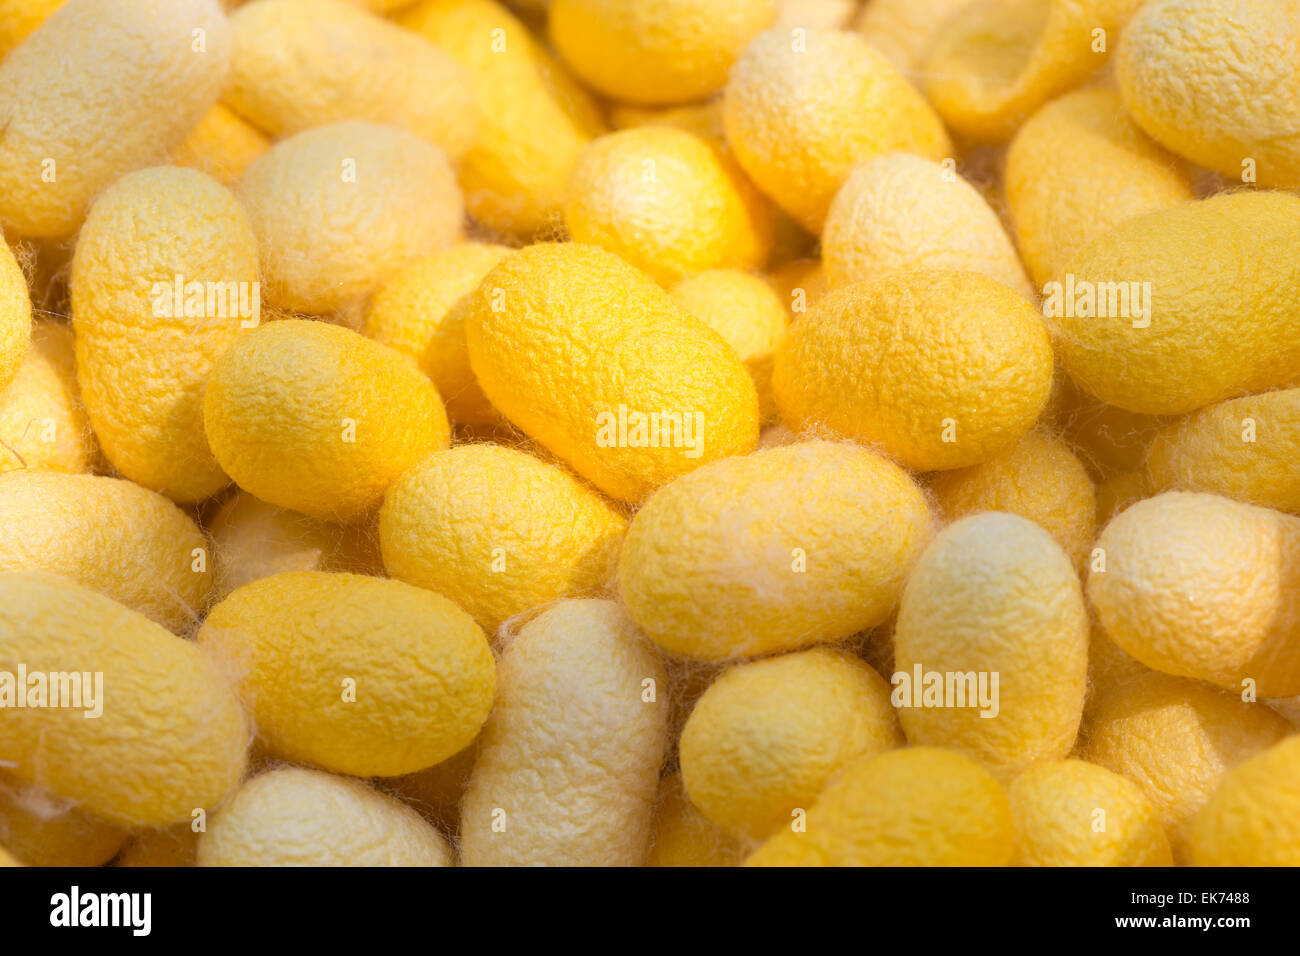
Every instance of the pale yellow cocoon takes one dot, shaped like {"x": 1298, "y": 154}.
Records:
{"x": 766, "y": 736}
{"x": 110, "y": 535}
{"x": 804, "y": 107}
{"x": 903, "y": 30}
{"x": 42, "y": 829}
{"x": 354, "y": 674}
{"x": 684, "y": 837}
{"x": 774, "y": 551}
{"x": 172, "y": 737}
{"x": 340, "y": 209}
{"x": 906, "y": 212}
{"x": 223, "y": 145}
{"x": 164, "y": 280}
{"x": 174, "y": 847}
{"x": 1253, "y": 819}
{"x": 291, "y": 816}
{"x": 1201, "y": 586}
{"x": 569, "y": 762}
{"x": 102, "y": 88}
{"x": 1073, "y": 813}
{"x": 915, "y": 807}
{"x": 1076, "y": 169}
{"x": 15, "y": 316}
{"x": 940, "y": 370}
{"x": 20, "y": 18}
{"x": 656, "y": 51}
{"x": 318, "y": 419}
{"x": 42, "y": 421}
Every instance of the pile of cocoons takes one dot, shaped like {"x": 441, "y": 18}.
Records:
{"x": 649, "y": 432}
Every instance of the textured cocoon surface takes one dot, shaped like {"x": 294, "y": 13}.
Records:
{"x": 1253, "y": 819}
{"x": 790, "y": 546}
{"x": 354, "y": 674}
{"x": 569, "y": 342}
{"x": 569, "y": 761}
{"x": 1223, "y": 314}
{"x": 656, "y": 51}
{"x": 44, "y": 830}
{"x": 340, "y": 209}
{"x": 915, "y": 807}
{"x": 766, "y": 736}
{"x": 109, "y": 535}
{"x": 535, "y": 116}
{"x": 223, "y": 145}
{"x": 171, "y": 738}
{"x": 938, "y": 369}
{"x": 684, "y": 837}
{"x": 903, "y": 30}
{"x": 42, "y": 421}
{"x": 304, "y": 63}
{"x": 907, "y": 212}
{"x": 993, "y": 594}
{"x": 103, "y": 87}
{"x": 318, "y": 419}
{"x": 144, "y": 350}
{"x": 15, "y": 316}
{"x": 1200, "y": 586}
{"x": 296, "y": 817}
{"x": 497, "y": 531}
{"x": 19, "y": 18}
{"x": 802, "y": 111}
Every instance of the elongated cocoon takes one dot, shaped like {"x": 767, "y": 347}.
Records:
{"x": 171, "y": 738}
{"x": 15, "y": 316}
{"x": 43, "y": 424}
{"x": 102, "y": 88}
{"x": 569, "y": 761}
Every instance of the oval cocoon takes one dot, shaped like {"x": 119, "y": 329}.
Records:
{"x": 43, "y": 424}
{"x": 1251, "y": 820}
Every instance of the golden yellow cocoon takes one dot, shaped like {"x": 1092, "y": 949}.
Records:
{"x": 1075, "y": 170}
{"x": 535, "y": 116}
{"x": 1153, "y": 318}
{"x": 497, "y": 531}
{"x": 1201, "y": 586}
{"x": 291, "y": 816}
{"x": 569, "y": 761}
{"x": 1073, "y": 813}
{"x": 938, "y": 369}
{"x": 109, "y": 535}
{"x": 684, "y": 837}
{"x": 1253, "y": 818}
{"x": 42, "y": 829}
{"x": 903, "y": 30}
{"x": 176, "y": 846}
{"x": 318, "y": 419}
{"x": 915, "y": 807}
{"x": 164, "y": 280}
{"x": 1218, "y": 81}
{"x": 667, "y": 202}
{"x": 1175, "y": 739}
{"x": 625, "y": 388}
{"x": 656, "y": 52}
{"x": 421, "y": 313}
{"x": 354, "y": 674}
{"x": 340, "y": 209}
{"x": 102, "y": 88}
{"x": 774, "y": 551}
{"x": 906, "y": 212}
{"x": 42, "y": 421}
{"x": 20, "y": 18}
{"x": 223, "y": 145}
{"x": 994, "y": 62}
{"x": 15, "y": 316}
{"x": 993, "y": 598}
{"x": 1038, "y": 478}
{"x": 766, "y": 736}
{"x": 1245, "y": 448}
{"x": 171, "y": 737}
{"x": 803, "y": 107}
{"x": 299, "y": 64}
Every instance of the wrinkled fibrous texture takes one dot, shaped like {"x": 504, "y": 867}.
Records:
{"x": 656, "y": 52}
{"x": 589, "y": 357}
{"x": 340, "y": 209}
{"x": 319, "y": 419}
{"x": 904, "y": 30}
{"x": 110, "y": 535}
{"x": 223, "y": 145}
{"x": 353, "y": 674}
{"x": 176, "y": 846}
{"x": 1175, "y": 739}
{"x": 15, "y": 316}
{"x": 172, "y": 736}
{"x": 766, "y": 736}
{"x": 1201, "y": 586}
{"x": 682, "y": 836}
{"x": 569, "y": 761}
{"x": 1253, "y": 819}
{"x": 42, "y": 421}
{"x": 42, "y": 829}
{"x": 299, "y": 64}
{"x": 102, "y": 88}
{"x": 938, "y": 369}
{"x": 802, "y": 111}
{"x": 291, "y": 816}
{"x": 916, "y": 807}
{"x": 1222, "y": 314}
{"x": 164, "y": 280}
{"x": 20, "y": 18}
{"x": 784, "y": 548}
